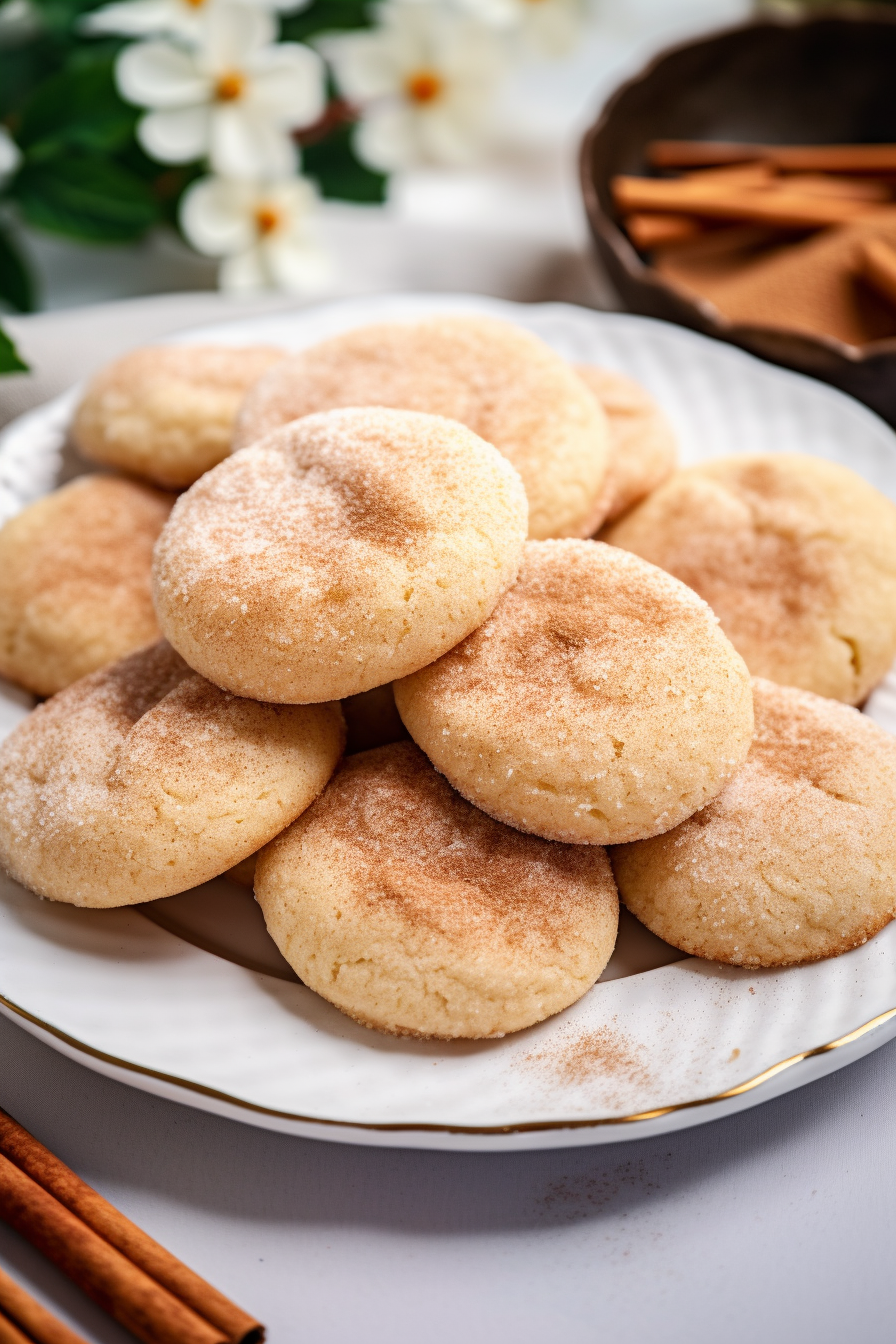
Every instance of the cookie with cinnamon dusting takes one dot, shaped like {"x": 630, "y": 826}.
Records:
{"x": 643, "y": 447}
{"x": 143, "y": 779}
{"x": 166, "y": 413}
{"x": 795, "y": 555}
{"x": 75, "y": 581}
{"x": 341, "y": 551}
{"x": 599, "y": 703}
{"x": 795, "y": 860}
{"x": 418, "y": 915}
{"x": 500, "y": 381}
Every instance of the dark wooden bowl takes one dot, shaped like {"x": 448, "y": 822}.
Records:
{"x": 823, "y": 80}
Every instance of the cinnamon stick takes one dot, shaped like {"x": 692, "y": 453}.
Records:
{"x": 793, "y": 158}
{"x": 11, "y": 1334}
{"x": 136, "y": 1301}
{"x": 42, "y": 1325}
{"x": 658, "y": 229}
{"x": 20, "y": 1147}
{"x": 780, "y": 209}
{"x": 878, "y": 267}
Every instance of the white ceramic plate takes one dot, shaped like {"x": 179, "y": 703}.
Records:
{"x": 211, "y": 1016}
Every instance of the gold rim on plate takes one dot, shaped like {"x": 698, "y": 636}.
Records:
{"x": 528, "y": 1128}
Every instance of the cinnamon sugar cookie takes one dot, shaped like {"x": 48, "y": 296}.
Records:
{"x": 143, "y": 779}
{"x": 75, "y": 581}
{"x": 599, "y": 703}
{"x": 795, "y": 859}
{"x": 643, "y": 448}
{"x": 418, "y": 915}
{"x": 341, "y": 551}
{"x": 371, "y": 720}
{"x": 166, "y": 412}
{"x": 503, "y": 383}
{"x": 795, "y": 555}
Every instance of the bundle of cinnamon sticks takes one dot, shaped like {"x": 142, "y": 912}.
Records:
{"x": 792, "y": 236}
{"x": 123, "y": 1270}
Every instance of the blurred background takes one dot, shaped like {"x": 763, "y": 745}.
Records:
{"x": 151, "y": 146}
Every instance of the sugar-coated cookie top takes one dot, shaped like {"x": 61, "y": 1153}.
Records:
{"x": 599, "y": 703}
{"x": 643, "y": 447}
{"x": 795, "y": 555}
{"x": 341, "y": 551}
{"x": 75, "y": 580}
{"x": 415, "y": 844}
{"x": 502, "y": 382}
{"x": 796, "y": 857}
{"x": 166, "y": 412}
{"x": 144, "y": 779}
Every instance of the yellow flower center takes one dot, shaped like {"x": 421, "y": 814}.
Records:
{"x": 423, "y": 86}
{"x": 195, "y": 4}
{"x": 229, "y": 86}
{"x": 266, "y": 219}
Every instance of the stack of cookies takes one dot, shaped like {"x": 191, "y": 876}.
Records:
{"x": 540, "y": 635}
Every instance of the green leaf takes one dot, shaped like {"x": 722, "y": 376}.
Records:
{"x": 22, "y": 67}
{"x": 80, "y": 108}
{"x": 325, "y": 16}
{"x": 10, "y": 359}
{"x": 16, "y": 287}
{"x": 339, "y": 173}
{"x": 85, "y": 197}
{"x": 60, "y": 17}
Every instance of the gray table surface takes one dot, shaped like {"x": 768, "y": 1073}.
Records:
{"x": 772, "y": 1225}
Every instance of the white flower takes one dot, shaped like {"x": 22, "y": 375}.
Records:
{"x": 155, "y": 18}
{"x": 10, "y": 154}
{"x": 262, "y": 229}
{"x": 424, "y": 80}
{"x": 547, "y": 26}
{"x": 234, "y": 98}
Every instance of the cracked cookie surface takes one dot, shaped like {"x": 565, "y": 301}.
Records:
{"x": 340, "y": 552}
{"x": 143, "y": 780}
{"x": 795, "y": 860}
{"x": 418, "y": 915}
{"x": 599, "y": 703}
{"x": 795, "y": 555}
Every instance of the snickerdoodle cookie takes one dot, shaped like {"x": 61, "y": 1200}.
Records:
{"x": 371, "y": 720}
{"x": 795, "y": 859}
{"x": 643, "y": 447}
{"x": 417, "y": 914}
{"x": 166, "y": 412}
{"x": 795, "y": 555}
{"x": 503, "y": 383}
{"x": 339, "y": 552}
{"x": 143, "y": 779}
{"x": 599, "y": 703}
{"x": 75, "y": 581}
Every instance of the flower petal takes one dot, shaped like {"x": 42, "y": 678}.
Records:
{"x": 387, "y": 138}
{"x": 176, "y": 135}
{"x": 244, "y": 272}
{"x": 364, "y": 66}
{"x": 159, "y": 74}
{"x": 298, "y": 266}
{"x": 10, "y": 154}
{"x": 217, "y": 216}
{"x": 452, "y": 136}
{"x": 288, "y": 83}
{"x": 143, "y": 18}
{"x": 246, "y": 144}
{"x": 232, "y": 33}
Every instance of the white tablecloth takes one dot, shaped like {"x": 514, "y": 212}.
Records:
{"x": 775, "y": 1225}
